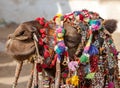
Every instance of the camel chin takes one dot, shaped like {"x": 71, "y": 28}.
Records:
{"x": 20, "y": 50}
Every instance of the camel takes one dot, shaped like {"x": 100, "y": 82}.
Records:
{"x": 69, "y": 51}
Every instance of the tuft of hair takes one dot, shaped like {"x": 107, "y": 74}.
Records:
{"x": 110, "y": 25}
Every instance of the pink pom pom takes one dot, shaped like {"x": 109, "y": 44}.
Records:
{"x": 73, "y": 65}
{"x": 95, "y": 27}
{"x": 111, "y": 85}
{"x": 59, "y": 30}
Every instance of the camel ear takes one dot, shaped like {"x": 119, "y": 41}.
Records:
{"x": 110, "y": 25}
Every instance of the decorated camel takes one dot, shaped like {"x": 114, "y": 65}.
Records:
{"x": 75, "y": 50}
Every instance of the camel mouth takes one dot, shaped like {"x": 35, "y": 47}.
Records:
{"x": 19, "y": 48}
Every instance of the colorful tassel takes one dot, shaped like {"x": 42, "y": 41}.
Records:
{"x": 73, "y": 65}
{"x": 90, "y": 76}
{"x": 87, "y": 47}
{"x": 75, "y": 80}
{"x": 84, "y": 58}
{"x": 93, "y": 50}
{"x": 95, "y": 24}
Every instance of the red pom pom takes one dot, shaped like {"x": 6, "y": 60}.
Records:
{"x": 46, "y": 54}
{"x": 40, "y": 41}
{"x": 64, "y": 75}
{"x": 46, "y": 47}
{"x": 42, "y": 31}
{"x": 43, "y": 35}
{"x": 54, "y": 18}
{"x": 46, "y": 24}
{"x": 41, "y": 22}
{"x": 37, "y": 19}
{"x": 81, "y": 17}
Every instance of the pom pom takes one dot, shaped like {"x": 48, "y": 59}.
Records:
{"x": 90, "y": 76}
{"x": 40, "y": 41}
{"x": 60, "y": 48}
{"x": 76, "y": 13}
{"x": 73, "y": 65}
{"x": 95, "y": 24}
{"x": 93, "y": 50}
{"x": 46, "y": 54}
{"x": 64, "y": 75}
{"x": 75, "y": 80}
{"x": 84, "y": 58}
{"x": 81, "y": 17}
{"x": 111, "y": 85}
{"x": 59, "y": 35}
{"x": 60, "y": 32}
{"x": 42, "y": 32}
{"x": 59, "y": 15}
{"x": 41, "y": 20}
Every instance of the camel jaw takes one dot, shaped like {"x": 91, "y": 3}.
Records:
{"x": 19, "y": 48}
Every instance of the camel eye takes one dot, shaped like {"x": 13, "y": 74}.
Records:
{"x": 22, "y": 32}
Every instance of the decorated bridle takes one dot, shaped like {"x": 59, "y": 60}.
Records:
{"x": 94, "y": 23}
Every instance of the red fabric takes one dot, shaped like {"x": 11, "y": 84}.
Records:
{"x": 44, "y": 66}
{"x": 38, "y": 67}
{"x": 53, "y": 61}
{"x": 94, "y": 63}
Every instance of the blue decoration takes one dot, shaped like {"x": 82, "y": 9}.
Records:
{"x": 93, "y": 50}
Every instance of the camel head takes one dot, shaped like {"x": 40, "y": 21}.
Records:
{"x": 20, "y": 44}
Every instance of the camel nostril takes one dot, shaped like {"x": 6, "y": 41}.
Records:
{"x": 11, "y": 36}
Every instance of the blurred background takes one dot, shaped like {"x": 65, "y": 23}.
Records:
{"x": 14, "y": 12}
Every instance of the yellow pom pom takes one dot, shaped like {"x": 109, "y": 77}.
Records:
{"x": 75, "y": 80}
{"x": 59, "y": 15}
{"x": 59, "y": 35}
{"x": 58, "y": 21}
{"x": 60, "y": 39}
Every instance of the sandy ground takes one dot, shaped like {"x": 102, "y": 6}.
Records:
{"x": 7, "y": 64}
